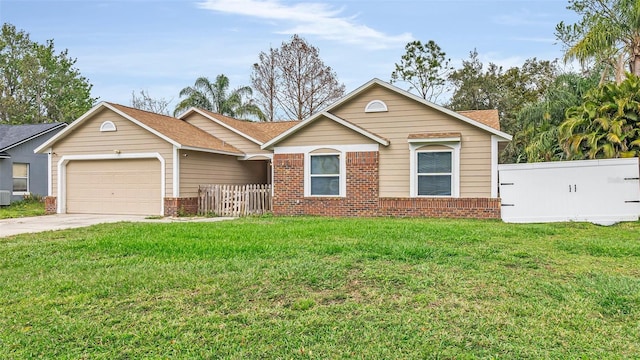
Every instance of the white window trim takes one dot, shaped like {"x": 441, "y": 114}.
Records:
{"x": 28, "y": 180}
{"x": 455, "y": 167}
{"x": 342, "y": 176}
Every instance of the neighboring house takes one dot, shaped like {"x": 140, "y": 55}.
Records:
{"x": 21, "y": 171}
{"x": 378, "y": 151}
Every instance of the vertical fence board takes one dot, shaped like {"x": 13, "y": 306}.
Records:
{"x": 234, "y": 200}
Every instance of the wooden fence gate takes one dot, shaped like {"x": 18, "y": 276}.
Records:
{"x": 234, "y": 200}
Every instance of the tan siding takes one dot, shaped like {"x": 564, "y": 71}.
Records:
{"x": 225, "y": 134}
{"x": 325, "y": 132}
{"x": 199, "y": 168}
{"x": 405, "y": 117}
{"x": 86, "y": 139}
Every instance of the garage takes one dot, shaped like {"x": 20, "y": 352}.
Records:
{"x": 121, "y": 186}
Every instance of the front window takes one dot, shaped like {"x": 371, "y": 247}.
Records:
{"x": 435, "y": 173}
{"x": 325, "y": 175}
{"x": 20, "y": 178}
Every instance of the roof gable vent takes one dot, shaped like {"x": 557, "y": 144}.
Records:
{"x": 376, "y": 106}
{"x": 108, "y": 126}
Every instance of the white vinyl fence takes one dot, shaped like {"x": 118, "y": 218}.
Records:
{"x": 599, "y": 191}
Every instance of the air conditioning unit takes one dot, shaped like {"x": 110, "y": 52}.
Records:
{"x": 5, "y": 197}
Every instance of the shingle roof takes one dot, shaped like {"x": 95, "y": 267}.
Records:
{"x": 275, "y": 128}
{"x": 177, "y": 130}
{"x": 10, "y": 135}
{"x": 488, "y": 117}
{"x": 261, "y": 131}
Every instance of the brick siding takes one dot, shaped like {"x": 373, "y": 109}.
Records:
{"x": 362, "y": 194}
{"x": 180, "y": 206}
{"x": 477, "y": 208}
{"x": 50, "y": 205}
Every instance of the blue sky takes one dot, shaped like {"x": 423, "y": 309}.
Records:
{"x": 161, "y": 46}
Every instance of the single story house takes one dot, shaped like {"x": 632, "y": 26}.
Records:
{"x": 22, "y": 172}
{"x": 378, "y": 151}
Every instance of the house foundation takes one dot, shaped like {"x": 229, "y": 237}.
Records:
{"x": 180, "y": 206}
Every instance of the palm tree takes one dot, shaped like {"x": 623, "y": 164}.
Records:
{"x": 215, "y": 96}
{"x": 608, "y": 33}
{"x": 536, "y": 138}
{"x": 606, "y": 124}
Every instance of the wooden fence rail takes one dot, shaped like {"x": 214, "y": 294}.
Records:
{"x": 234, "y": 200}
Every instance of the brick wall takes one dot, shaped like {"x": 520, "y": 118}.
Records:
{"x": 288, "y": 185}
{"x": 50, "y": 205}
{"x": 362, "y": 194}
{"x": 180, "y": 206}
{"x": 476, "y": 208}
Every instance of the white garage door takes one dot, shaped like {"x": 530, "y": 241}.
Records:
{"x": 127, "y": 186}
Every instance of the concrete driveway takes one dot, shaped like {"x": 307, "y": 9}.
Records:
{"x": 36, "y": 224}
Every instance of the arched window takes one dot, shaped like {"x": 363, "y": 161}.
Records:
{"x": 108, "y": 126}
{"x": 376, "y": 106}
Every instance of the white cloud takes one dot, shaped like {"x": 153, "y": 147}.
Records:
{"x": 318, "y": 19}
{"x": 525, "y": 17}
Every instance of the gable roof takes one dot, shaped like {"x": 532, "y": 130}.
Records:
{"x": 257, "y": 132}
{"x": 380, "y": 140}
{"x": 175, "y": 131}
{"x": 14, "y": 135}
{"x": 377, "y": 82}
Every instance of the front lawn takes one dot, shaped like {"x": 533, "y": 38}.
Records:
{"x": 22, "y": 208}
{"x": 322, "y": 288}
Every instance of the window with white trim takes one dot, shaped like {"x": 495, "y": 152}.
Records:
{"x": 20, "y": 178}
{"x": 434, "y": 168}
{"x": 324, "y": 175}
{"x": 434, "y": 172}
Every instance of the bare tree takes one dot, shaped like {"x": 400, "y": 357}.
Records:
{"x": 294, "y": 80}
{"x": 264, "y": 80}
{"x": 146, "y": 102}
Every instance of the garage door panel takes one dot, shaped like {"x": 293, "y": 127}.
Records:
{"x": 127, "y": 186}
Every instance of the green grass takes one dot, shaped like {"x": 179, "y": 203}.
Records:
{"x": 22, "y": 208}
{"x": 293, "y": 288}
